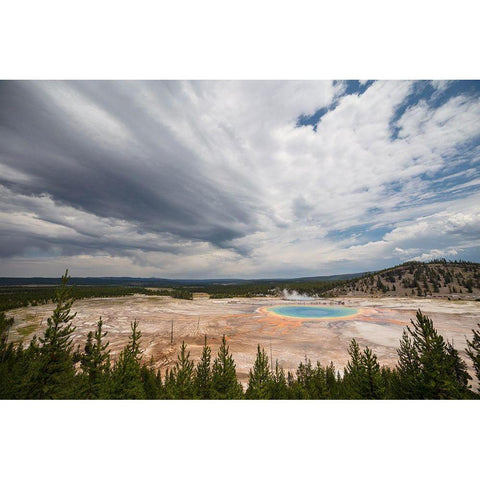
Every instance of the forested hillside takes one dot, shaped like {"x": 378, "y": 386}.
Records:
{"x": 438, "y": 278}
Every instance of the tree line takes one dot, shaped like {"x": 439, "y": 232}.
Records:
{"x": 23, "y": 296}
{"x": 428, "y": 367}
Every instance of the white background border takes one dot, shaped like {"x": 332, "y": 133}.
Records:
{"x": 239, "y": 40}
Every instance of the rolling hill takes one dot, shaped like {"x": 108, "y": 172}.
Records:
{"x": 438, "y": 278}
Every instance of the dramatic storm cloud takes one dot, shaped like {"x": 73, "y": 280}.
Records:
{"x": 236, "y": 179}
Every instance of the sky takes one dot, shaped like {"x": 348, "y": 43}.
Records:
{"x": 236, "y": 179}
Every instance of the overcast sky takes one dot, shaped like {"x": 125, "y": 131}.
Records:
{"x": 244, "y": 179}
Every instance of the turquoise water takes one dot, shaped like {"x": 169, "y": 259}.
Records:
{"x": 312, "y": 311}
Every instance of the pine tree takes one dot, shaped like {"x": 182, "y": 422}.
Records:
{"x": 54, "y": 370}
{"x": 203, "y": 374}
{"x": 183, "y": 375}
{"x": 95, "y": 362}
{"x": 388, "y": 381}
{"x": 428, "y": 367}
{"x": 310, "y": 382}
{"x": 152, "y": 381}
{"x": 5, "y": 324}
{"x": 10, "y": 357}
{"x": 279, "y": 387}
{"x": 259, "y": 377}
{"x": 126, "y": 374}
{"x": 169, "y": 384}
{"x": 317, "y": 384}
{"x": 353, "y": 376}
{"x": 297, "y": 383}
{"x": 459, "y": 368}
{"x": 331, "y": 381}
{"x": 224, "y": 377}
{"x": 473, "y": 351}
{"x": 371, "y": 385}
{"x": 363, "y": 378}
{"x": 408, "y": 368}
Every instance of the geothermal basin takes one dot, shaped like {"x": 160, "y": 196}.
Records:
{"x": 320, "y": 330}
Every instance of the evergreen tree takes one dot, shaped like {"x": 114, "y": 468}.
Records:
{"x": 54, "y": 370}
{"x": 353, "y": 376}
{"x": 279, "y": 387}
{"x": 95, "y": 363}
{"x": 363, "y": 378}
{"x": 310, "y": 383}
{"x": 203, "y": 373}
{"x": 297, "y": 383}
{"x": 317, "y": 384}
{"x": 408, "y": 368}
{"x": 458, "y": 368}
{"x": 10, "y": 357}
{"x": 152, "y": 381}
{"x": 126, "y": 375}
{"x": 428, "y": 367}
{"x": 371, "y": 385}
{"x": 331, "y": 381}
{"x": 25, "y": 369}
{"x": 183, "y": 372}
{"x": 224, "y": 377}
{"x": 291, "y": 382}
{"x": 259, "y": 378}
{"x": 388, "y": 381}
{"x": 169, "y": 386}
{"x": 473, "y": 351}
{"x": 5, "y": 324}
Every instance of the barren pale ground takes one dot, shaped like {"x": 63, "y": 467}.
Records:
{"x": 379, "y": 325}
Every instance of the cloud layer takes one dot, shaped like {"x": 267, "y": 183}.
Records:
{"x": 237, "y": 179}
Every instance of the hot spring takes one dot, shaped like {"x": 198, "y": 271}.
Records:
{"x": 312, "y": 311}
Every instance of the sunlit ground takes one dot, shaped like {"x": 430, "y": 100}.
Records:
{"x": 376, "y": 322}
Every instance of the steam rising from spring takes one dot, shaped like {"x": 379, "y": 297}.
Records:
{"x": 294, "y": 295}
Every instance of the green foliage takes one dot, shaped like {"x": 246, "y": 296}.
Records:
{"x": 5, "y": 324}
{"x": 313, "y": 382}
{"x": 183, "y": 371}
{"x": 353, "y": 371}
{"x": 408, "y": 369}
{"x": 203, "y": 374}
{"x": 54, "y": 369}
{"x": 182, "y": 293}
{"x": 278, "y": 384}
{"x": 363, "y": 378}
{"x": 11, "y": 361}
{"x": 126, "y": 374}
{"x": 473, "y": 351}
{"x": 262, "y": 288}
{"x": 95, "y": 363}
{"x": 224, "y": 377}
{"x": 152, "y": 382}
{"x": 259, "y": 381}
{"x": 371, "y": 379}
{"x": 458, "y": 368}
{"x": 429, "y": 368}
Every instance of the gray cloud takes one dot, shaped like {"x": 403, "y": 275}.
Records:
{"x": 148, "y": 178}
{"x": 217, "y": 178}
